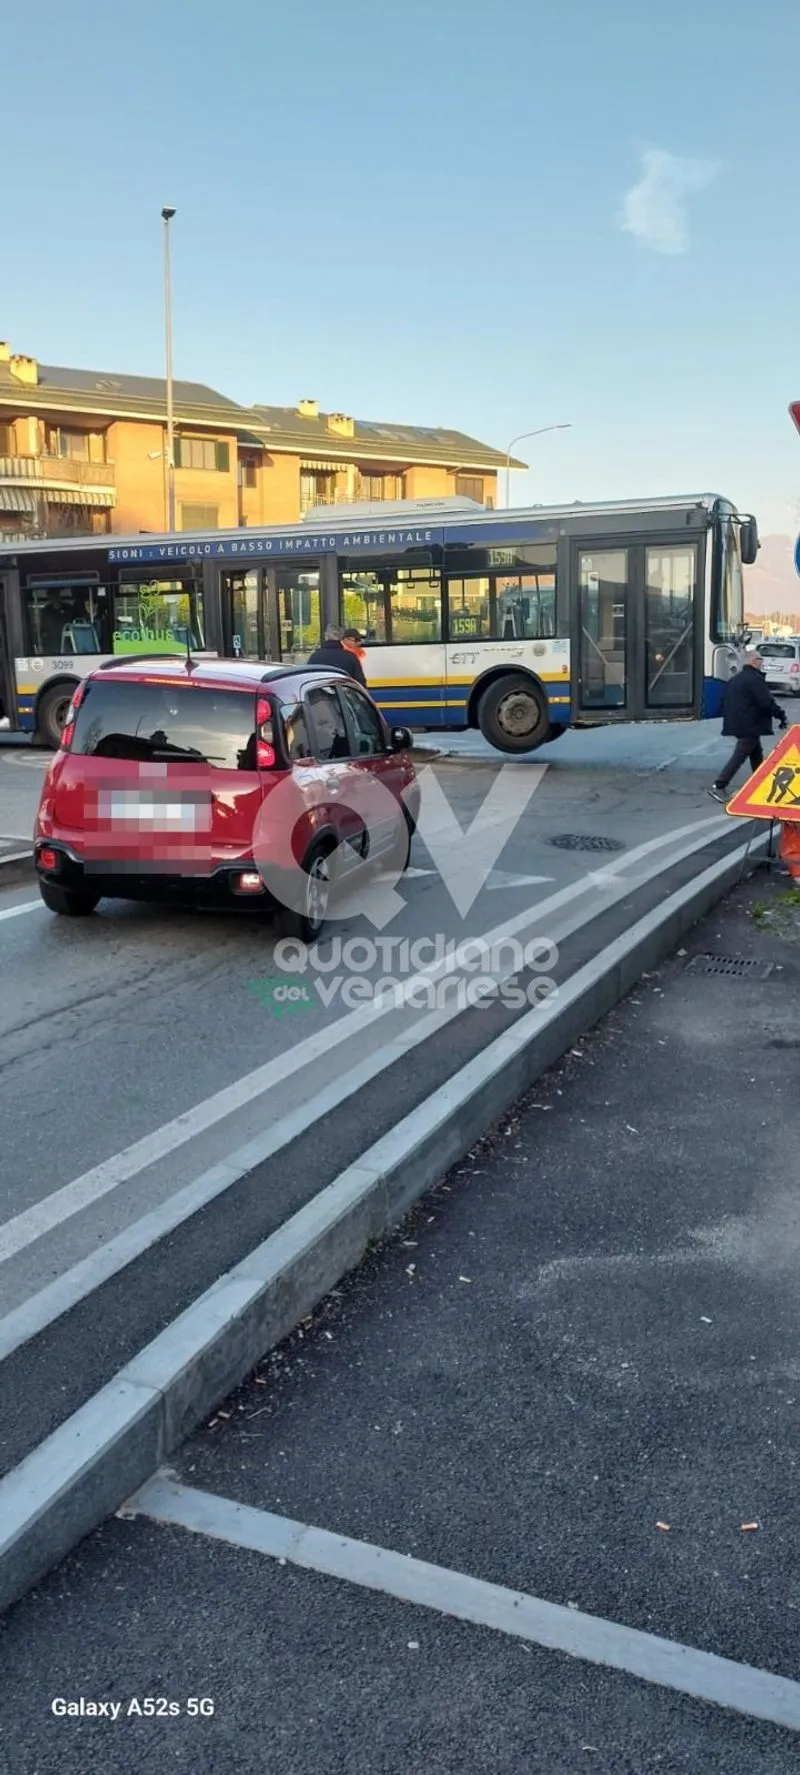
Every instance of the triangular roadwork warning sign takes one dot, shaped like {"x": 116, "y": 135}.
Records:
{"x": 773, "y": 791}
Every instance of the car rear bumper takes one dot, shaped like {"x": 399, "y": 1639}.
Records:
{"x": 130, "y": 880}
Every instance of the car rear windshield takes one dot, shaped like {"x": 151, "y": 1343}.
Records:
{"x": 166, "y": 721}
{"x": 777, "y": 650}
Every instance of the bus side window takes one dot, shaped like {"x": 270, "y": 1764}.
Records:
{"x": 63, "y": 619}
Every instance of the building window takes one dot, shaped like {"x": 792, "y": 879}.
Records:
{"x": 199, "y": 517}
{"x": 375, "y": 487}
{"x": 316, "y": 488}
{"x": 248, "y": 467}
{"x": 69, "y": 443}
{"x": 209, "y": 453}
{"x": 470, "y": 487}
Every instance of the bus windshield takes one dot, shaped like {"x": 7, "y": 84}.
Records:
{"x": 728, "y": 607}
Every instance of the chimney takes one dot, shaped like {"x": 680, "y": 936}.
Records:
{"x": 5, "y": 351}
{"x": 341, "y": 425}
{"x": 308, "y": 409}
{"x": 25, "y": 369}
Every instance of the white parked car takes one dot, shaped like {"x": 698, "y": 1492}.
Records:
{"x": 782, "y": 665}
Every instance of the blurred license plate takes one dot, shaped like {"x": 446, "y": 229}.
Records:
{"x": 167, "y": 813}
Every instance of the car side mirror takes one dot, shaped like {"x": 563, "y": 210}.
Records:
{"x": 401, "y": 739}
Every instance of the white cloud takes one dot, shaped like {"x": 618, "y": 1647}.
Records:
{"x": 654, "y": 209}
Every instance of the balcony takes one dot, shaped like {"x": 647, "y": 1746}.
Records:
{"x": 90, "y": 483}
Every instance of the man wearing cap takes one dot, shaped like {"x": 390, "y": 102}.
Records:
{"x": 748, "y": 712}
{"x": 336, "y": 656}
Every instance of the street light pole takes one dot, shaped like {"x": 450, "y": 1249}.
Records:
{"x": 520, "y": 440}
{"x": 167, "y": 214}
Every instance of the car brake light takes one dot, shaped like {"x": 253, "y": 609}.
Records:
{"x": 68, "y": 729}
{"x": 795, "y": 667}
{"x": 48, "y": 858}
{"x": 265, "y": 748}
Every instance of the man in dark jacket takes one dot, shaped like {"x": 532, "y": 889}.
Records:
{"x": 336, "y": 657}
{"x": 748, "y": 712}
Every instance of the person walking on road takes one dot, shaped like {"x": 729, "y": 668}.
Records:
{"x": 748, "y": 712}
{"x": 336, "y": 656}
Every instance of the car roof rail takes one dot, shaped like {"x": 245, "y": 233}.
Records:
{"x": 295, "y": 670}
{"x": 141, "y": 659}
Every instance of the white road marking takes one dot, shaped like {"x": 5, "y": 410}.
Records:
{"x": 498, "y": 880}
{"x": 52, "y": 1210}
{"x": 27, "y": 906}
{"x": 665, "y": 1662}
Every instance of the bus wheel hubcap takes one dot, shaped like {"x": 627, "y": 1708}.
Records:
{"x": 518, "y": 713}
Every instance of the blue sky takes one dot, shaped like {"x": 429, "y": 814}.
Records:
{"x": 415, "y": 212}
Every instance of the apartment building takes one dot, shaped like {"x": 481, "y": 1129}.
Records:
{"x": 82, "y": 451}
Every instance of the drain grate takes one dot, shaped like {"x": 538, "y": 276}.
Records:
{"x": 576, "y": 841}
{"x": 734, "y": 966}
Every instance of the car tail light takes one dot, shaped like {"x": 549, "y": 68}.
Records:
{"x": 795, "y": 667}
{"x": 68, "y": 729}
{"x": 48, "y": 858}
{"x": 265, "y": 735}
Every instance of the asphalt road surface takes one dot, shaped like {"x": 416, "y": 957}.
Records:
{"x": 139, "y": 1046}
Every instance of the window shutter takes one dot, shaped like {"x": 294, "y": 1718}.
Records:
{"x": 223, "y": 457}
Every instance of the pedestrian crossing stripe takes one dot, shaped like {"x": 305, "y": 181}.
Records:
{"x": 773, "y": 791}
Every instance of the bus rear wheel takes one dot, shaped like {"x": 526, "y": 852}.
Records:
{"x": 512, "y": 714}
{"x": 52, "y": 715}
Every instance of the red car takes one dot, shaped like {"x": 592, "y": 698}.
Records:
{"x": 224, "y": 782}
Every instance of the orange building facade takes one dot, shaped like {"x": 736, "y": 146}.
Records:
{"x": 82, "y": 451}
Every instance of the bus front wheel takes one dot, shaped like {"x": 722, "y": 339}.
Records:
{"x": 512, "y": 714}
{"x": 52, "y": 714}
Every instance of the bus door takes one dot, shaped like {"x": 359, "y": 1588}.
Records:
{"x": 245, "y": 632}
{"x": 636, "y": 630}
{"x": 292, "y": 612}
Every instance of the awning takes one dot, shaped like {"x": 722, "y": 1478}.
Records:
{"x": 77, "y": 496}
{"x": 17, "y": 499}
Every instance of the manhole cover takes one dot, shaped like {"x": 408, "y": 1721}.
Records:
{"x": 576, "y": 841}
{"x": 740, "y": 966}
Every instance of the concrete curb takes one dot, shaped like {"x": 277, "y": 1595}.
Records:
{"x": 16, "y": 869}
{"x": 94, "y": 1462}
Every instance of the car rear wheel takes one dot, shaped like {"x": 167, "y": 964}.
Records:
{"x": 69, "y": 902}
{"x": 307, "y": 921}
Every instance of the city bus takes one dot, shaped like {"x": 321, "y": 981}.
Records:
{"x": 518, "y": 623}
